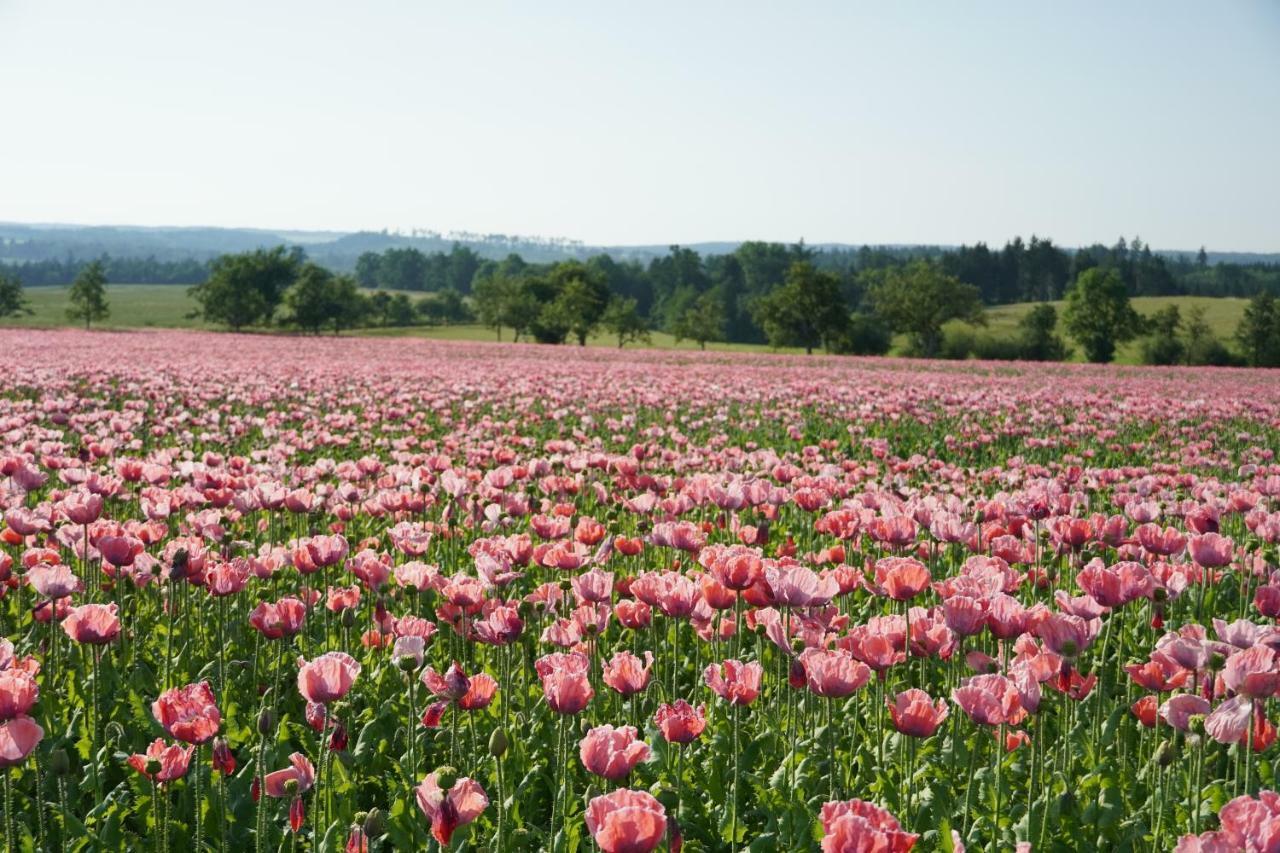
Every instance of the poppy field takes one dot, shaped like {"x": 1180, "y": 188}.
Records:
{"x": 267, "y": 593}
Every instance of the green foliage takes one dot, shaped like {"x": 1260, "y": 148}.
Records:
{"x": 583, "y": 305}
{"x": 865, "y": 334}
{"x": 411, "y": 269}
{"x": 495, "y": 297}
{"x": 318, "y": 299}
{"x": 1200, "y": 345}
{"x": 245, "y": 289}
{"x": 1163, "y": 342}
{"x": 1098, "y": 313}
{"x": 12, "y": 300}
{"x": 1259, "y": 331}
{"x": 573, "y": 298}
{"x": 807, "y": 311}
{"x": 623, "y": 320}
{"x": 697, "y": 318}
{"x": 445, "y": 307}
{"x": 919, "y": 298}
{"x": 88, "y": 295}
{"x": 367, "y": 266}
{"x": 399, "y": 269}
{"x": 1038, "y": 337}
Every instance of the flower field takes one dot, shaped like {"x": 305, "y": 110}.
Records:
{"x": 347, "y": 594}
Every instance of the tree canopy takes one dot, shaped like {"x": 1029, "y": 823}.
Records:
{"x": 919, "y": 298}
{"x": 12, "y": 300}
{"x": 244, "y": 289}
{"x": 1098, "y": 313}
{"x": 88, "y": 295}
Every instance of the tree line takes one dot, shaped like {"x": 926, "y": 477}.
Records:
{"x": 812, "y": 308}
{"x": 139, "y": 270}
{"x": 785, "y": 296}
{"x": 1020, "y": 271}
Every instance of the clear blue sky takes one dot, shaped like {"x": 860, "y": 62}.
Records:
{"x": 651, "y": 122}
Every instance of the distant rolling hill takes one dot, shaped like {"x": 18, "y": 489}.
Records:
{"x": 36, "y": 242}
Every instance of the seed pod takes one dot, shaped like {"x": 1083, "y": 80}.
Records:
{"x": 446, "y": 777}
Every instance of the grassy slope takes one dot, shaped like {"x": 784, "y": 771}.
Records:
{"x": 1222, "y": 314}
{"x": 166, "y": 306}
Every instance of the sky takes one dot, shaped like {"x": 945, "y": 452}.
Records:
{"x": 640, "y": 123}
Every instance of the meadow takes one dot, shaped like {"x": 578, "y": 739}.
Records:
{"x": 169, "y": 306}
{"x": 290, "y": 593}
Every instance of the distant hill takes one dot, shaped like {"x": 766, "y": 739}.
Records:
{"x": 38, "y": 242}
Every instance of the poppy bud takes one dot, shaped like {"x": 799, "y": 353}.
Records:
{"x": 266, "y": 722}
{"x": 498, "y": 743}
{"x": 1165, "y": 754}
{"x": 60, "y": 762}
{"x": 669, "y": 798}
{"x": 178, "y": 570}
{"x": 675, "y": 839}
{"x": 224, "y": 761}
{"x": 374, "y": 824}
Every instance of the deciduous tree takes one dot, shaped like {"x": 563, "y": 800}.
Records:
{"x": 1098, "y": 313}
{"x": 89, "y": 295}
{"x": 919, "y": 298}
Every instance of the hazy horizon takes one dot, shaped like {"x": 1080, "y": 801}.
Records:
{"x": 910, "y": 124}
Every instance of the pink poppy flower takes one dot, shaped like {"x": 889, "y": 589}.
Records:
{"x": 626, "y": 821}
{"x": 735, "y": 682}
{"x": 301, "y": 771}
{"x": 833, "y": 673}
{"x": 680, "y": 722}
{"x": 18, "y": 693}
{"x": 626, "y": 674}
{"x": 915, "y": 713}
{"x": 328, "y": 677}
{"x": 96, "y": 624}
{"x": 173, "y": 761}
{"x": 449, "y": 809}
{"x": 188, "y": 713}
{"x": 856, "y": 825}
{"x": 611, "y": 752}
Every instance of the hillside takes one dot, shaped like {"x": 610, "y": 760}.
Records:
{"x": 36, "y": 242}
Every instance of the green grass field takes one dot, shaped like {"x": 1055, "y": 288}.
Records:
{"x": 1222, "y": 314}
{"x": 168, "y": 306}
